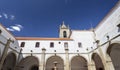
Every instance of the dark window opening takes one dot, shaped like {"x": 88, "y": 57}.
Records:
{"x": 118, "y": 27}
{"x": 51, "y": 44}
{"x": 37, "y": 44}
{"x": 22, "y": 44}
{"x": 79, "y": 44}
{"x": 65, "y": 44}
{"x": 64, "y": 34}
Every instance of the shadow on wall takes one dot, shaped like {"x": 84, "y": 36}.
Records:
{"x": 9, "y": 62}
{"x": 28, "y": 63}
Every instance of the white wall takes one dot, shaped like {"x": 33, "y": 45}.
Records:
{"x": 30, "y": 45}
{"x": 85, "y": 37}
{"x": 108, "y": 27}
{"x": 4, "y": 36}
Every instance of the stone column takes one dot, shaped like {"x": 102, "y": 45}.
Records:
{"x": 91, "y": 64}
{"x": 109, "y": 63}
{"x": 42, "y": 63}
{"x": 103, "y": 58}
{"x": 5, "y": 52}
{"x": 67, "y": 60}
{"x": 19, "y": 56}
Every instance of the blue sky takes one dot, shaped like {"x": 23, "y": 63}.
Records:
{"x": 41, "y": 18}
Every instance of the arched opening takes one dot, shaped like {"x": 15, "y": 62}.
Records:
{"x": 114, "y": 52}
{"x": 28, "y": 63}
{"x": 9, "y": 62}
{"x": 35, "y": 67}
{"x": 54, "y": 62}
{"x": 79, "y": 63}
{"x": 98, "y": 62}
{"x": 64, "y": 34}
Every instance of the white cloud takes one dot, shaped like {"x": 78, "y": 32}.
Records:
{"x": 20, "y": 26}
{"x": 16, "y": 27}
{"x": 10, "y": 29}
{"x": 0, "y": 16}
{"x": 5, "y": 15}
{"x": 12, "y": 17}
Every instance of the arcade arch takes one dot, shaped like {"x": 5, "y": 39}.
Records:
{"x": 34, "y": 67}
{"x": 98, "y": 62}
{"x": 28, "y": 63}
{"x": 79, "y": 63}
{"x": 9, "y": 62}
{"x": 55, "y": 62}
{"x": 114, "y": 52}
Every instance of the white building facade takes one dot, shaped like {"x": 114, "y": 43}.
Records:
{"x": 96, "y": 49}
{"x": 9, "y": 50}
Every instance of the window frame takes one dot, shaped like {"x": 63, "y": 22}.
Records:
{"x": 22, "y": 44}
{"x": 51, "y": 44}
{"x": 79, "y": 44}
{"x": 65, "y": 44}
{"x": 37, "y": 44}
{"x": 65, "y": 34}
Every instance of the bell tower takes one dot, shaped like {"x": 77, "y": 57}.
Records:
{"x": 64, "y": 31}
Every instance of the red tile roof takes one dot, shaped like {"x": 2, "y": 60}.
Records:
{"x": 38, "y": 38}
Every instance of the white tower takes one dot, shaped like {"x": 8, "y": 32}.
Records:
{"x": 64, "y": 31}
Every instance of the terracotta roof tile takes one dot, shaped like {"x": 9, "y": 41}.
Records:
{"x": 38, "y": 38}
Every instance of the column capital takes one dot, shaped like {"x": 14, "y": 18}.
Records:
{"x": 67, "y": 49}
{"x": 10, "y": 40}
{"x": 43, "y": 49}
{"x": 91, "y": 64}
{"x": 42, "y": 63}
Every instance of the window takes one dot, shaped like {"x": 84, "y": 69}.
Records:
{"x": 118, "y": 27}
{"x": 0, "y": 31}
{"x": 37, "y": 44}
{"x": 64, "y": 34}
{"x": 51, "y": 44}
{"x": 65, "y": 44}
{"x": 22, "y": 44}
{"x": 79, "y": 44}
